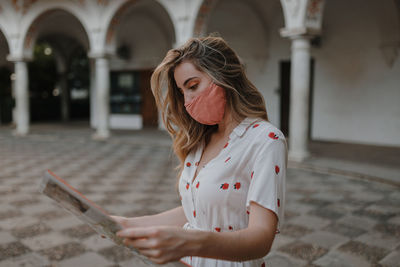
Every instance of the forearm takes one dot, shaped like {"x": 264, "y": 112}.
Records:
{"x": 173, "y": 217}
{"x": 242, "y": 245}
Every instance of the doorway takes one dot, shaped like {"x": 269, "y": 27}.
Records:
{"x": 149, "y": 108}
{"x": 284, "y": 73}
{"x": 6, "y": 99}
{"x": 131, "y": 95}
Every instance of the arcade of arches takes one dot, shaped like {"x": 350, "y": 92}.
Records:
{"x": 329, "y": 70}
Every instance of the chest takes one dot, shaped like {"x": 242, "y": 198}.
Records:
{"x": 210, "y": 152}
{"x": 222, "y": 179}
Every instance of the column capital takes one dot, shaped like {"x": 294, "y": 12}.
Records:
{"x": 301, "y": 32}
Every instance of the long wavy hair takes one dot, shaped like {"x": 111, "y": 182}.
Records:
{"x": 213, "y": 56}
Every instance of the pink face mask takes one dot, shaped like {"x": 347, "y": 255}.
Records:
{"x": 208, "y": 107}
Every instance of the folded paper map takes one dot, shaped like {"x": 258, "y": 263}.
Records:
{"x": 76, "y": 203}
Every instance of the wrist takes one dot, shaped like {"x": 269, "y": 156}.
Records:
{"x": 195, "y": 243}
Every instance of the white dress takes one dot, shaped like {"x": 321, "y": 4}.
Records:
{"x": 250, "y": 167}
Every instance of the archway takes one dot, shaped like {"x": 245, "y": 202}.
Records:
{"x": 6, "y": 99}
{"x": 151, "y": 35}
{"x": 64, "y": 95}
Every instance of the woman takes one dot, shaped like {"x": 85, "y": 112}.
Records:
{"x": 233, "y": 163}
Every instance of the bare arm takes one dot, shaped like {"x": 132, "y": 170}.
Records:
{"x": 173, "y": 217}
{"x": 164, "y": 244}
{"x": 251, "y": 243}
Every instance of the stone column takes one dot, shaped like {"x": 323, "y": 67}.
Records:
{"x": 21, "y": 98}
{"x": 299, "y": 98}
{"x": 102, "y": 81}
{"x": 64, "y": 96}
{"x": 93, "y": 103}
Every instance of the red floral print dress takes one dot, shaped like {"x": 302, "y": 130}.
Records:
{"x": 250, "y": 168}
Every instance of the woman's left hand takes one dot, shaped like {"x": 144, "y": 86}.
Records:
{"x": 160, "y": 244}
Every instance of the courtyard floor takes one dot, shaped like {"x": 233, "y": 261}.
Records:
{"x": 335, "y": 216}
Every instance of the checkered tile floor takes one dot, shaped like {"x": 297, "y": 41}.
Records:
{"x": 330, "y": 220}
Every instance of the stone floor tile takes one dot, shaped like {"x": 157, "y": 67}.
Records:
{"x": 310, "y": 221}
{"x": 31, "y": 230}
{"x": 367, "y": 196}
{"x": 394, "y": 220}
{"x": 339, "y": 259}
{"x": 372, "y": 254}
{"x": 344, "y": 230}
{"x": 25, "y": 202}
{"x": 317, "y": 203}
{"x": 361, "y": 222}
{"x": 80, "y": 231}
{"x": 290, "y": 214}
{"x": 345, "y": 207}
{"x": 64, "y": 222}
{"x": 96, "y": 242}
{"x": 31, "y": 210}
{"x": 328, "y": 213}
{"x": 281, "y": 240}
{"x": 379, "y": 239}
{"x": 26, "y": 260}
{"x": 324, "y": 239}
{"x": 64, "y": 251}
{"x": 6, "y": 237}
{"x": 45, "y": 241}
{"x": 393, "y": 259}
{"x": 277, "y": 259}
{"x": 133, "y": 262}
{"x": 86, "y": 259}
{"x": 12, "y": 249}
{"x": 17, "y": 222}
{"x": 386, "y": 209}
{"x": 328, "y": 196}
{"x": 388, "y": 229}
{"x": 49, "y": 214}
{"x": 304, "y": 251}
{"x": 116, "y": 253}
{"x": 9, "y": 213}
{"x": 300, "y": 207}
{"x": 295, "y": 230}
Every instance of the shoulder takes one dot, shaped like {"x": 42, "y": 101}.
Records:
{"x": 264, "y": 132}
{"x": 267, "y": 142}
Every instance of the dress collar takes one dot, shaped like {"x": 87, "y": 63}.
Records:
{"x": 244, "y": 125}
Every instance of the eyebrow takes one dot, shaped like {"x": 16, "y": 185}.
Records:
{"x": 188, "y": 80}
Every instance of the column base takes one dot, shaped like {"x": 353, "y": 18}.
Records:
{"x": 101, "y": 136}
{"x": 20, "y": 133}
{"x": 298, "y": 156}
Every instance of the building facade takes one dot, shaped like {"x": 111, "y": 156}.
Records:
{"x": 329, "y": 70}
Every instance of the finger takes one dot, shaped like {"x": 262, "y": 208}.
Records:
{"x": 135, "y": 233}
{"x": 142, "y": 243}
{"x": 161, "y": 260}
{"x": 155, "y": 254}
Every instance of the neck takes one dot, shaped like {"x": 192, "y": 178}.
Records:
{"x": 227, "y": 124}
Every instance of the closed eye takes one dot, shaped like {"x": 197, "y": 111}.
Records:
{"x": 193, "y": 87}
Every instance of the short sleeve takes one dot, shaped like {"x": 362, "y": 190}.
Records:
{"x": 268, "y": 175}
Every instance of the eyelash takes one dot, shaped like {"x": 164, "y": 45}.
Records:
{"x": 193, "y": 87}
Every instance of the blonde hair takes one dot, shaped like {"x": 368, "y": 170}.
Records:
{"x": 213, "y": 56}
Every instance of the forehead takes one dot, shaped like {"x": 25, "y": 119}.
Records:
{"x": 186, "y": 70}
